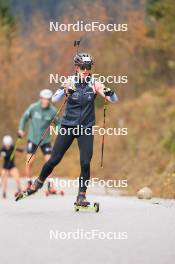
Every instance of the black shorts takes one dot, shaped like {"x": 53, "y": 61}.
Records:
{"x": 45, "y": 148}
{"x": 8, "y": 165}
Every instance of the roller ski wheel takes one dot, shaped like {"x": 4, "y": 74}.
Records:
{"x": 96, "y": 207}
{"x": 87, "y": 208}
{"x": 61, "y": 192}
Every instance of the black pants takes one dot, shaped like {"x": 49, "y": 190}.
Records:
{"x": 62, "y": 143}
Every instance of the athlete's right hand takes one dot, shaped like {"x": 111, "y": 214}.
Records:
{"x": 21, "y": 133}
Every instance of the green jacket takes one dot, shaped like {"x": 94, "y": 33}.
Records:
{"x": 39, "y": 120}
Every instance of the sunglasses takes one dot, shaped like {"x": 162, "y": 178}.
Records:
{"x": 83, "y": 67}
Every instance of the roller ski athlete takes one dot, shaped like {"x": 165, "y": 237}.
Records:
{"x": 38, "y": 115}
{"x": 52, "y": 191}
{"x": 9, "y": 167}
{"x": 81, "y": 90}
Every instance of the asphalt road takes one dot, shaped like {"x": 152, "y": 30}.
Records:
{"x": 48, "y": 231}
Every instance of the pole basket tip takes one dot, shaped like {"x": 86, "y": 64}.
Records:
{"x": 76, "y": 43}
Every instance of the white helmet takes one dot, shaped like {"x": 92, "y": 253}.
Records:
{"x": 7, "y": 140}
{"x": 46, "y": 93}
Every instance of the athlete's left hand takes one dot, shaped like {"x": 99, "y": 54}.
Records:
{"x": 71, "y": 89}
{"x": 108, "y": 91}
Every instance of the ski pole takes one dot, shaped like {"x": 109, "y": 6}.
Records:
{"x": 103, "y": 136}
{"x": 47, "y": 129}
{"x": 77, "y": 44}
{"x": 15, "y": 147}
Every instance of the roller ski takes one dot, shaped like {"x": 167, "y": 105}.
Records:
{"x": 28, "y": 186}
{"x": 29, "y": 191}
{"x": 82, "y": 204}
{"x": 52, "y": 191}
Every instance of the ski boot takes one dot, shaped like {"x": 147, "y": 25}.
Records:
{"x": 81, "y": 199}
{"x": 34, "y": 188}
{"x": 82, "y": 204}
